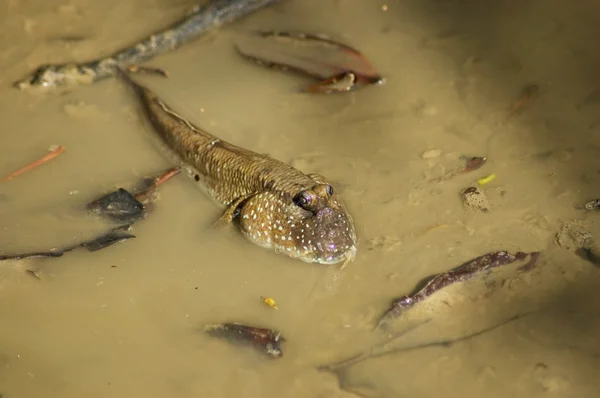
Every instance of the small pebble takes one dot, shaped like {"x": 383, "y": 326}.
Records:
{"x": 475, "y": 199}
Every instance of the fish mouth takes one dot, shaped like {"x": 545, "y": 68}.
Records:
{"x": 347, "y": 257}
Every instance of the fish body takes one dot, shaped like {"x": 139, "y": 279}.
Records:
{"x": 274, "y": 205}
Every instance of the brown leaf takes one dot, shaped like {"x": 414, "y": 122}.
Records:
{"x": 339, "y": 66}
{"x": 266, "y": 340}
{"x": 462, "y": 273}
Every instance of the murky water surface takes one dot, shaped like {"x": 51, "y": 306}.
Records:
{"x": 127, "y": 321}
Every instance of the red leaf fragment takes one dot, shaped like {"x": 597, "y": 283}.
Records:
{"x": 462, "y": 273}
{"x": 340, "y": 67}
{"x": 266, "y": 340}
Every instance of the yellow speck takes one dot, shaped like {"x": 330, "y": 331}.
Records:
{"x": 486, "y": 180}
{"x": 384, "y": 7}
{"x": 269, "y": 301}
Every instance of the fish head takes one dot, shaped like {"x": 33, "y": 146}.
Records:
{"x": 323, "y": 230}
{"x": 313, "y": 225}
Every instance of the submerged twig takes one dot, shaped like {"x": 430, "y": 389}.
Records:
{"x": 382, "y": 350}
{"x": 119, "y": 206}
{"x": 203, "y": 18}
{"x": 101, "y": 242}
{"x": 460, "y": 274}
{"x": 54, "y": 152}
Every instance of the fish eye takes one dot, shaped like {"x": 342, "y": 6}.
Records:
{"x": 329, "y": 190}
{"x": 304, "y": 199}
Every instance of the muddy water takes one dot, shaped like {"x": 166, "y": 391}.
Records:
{"x": 127, "y": 321}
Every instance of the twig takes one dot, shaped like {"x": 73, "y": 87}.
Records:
{"x": 381, "y": 350}
{"x": 57, "y": 151}
{"x": 202, "y": 19}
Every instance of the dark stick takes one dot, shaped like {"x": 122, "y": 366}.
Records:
{"x": 202, "y": 19}
{"x": 462, "y": 273}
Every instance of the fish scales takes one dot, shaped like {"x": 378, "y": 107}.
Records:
{"x": 275, "y": 205}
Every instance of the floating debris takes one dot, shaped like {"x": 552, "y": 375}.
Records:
{"x": 106, "y": 240}
{"x": 486, "y": 180}
{"x": 474, "y": 198}
{"x": 339, "y": 67}
{"x": 269, "y": 301}
{"x": 210, "y": 15}
{"x": 55, "y": 150}
{"x": 266, "y": 340}
{"x": 119, "y": 206}
{"x": 145, "y": 194}
{"x": 124, "y": 207}
{"x": 462, "y": 273}
{"x": 101, "y": 242}
{"x": 471, "y": 164}
{"x": 593, "y": 204}
{"x": 36, "y": 274}
{"x": 147, "y": 69}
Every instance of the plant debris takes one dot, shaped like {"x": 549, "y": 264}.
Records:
{"x": 124, "y": 207}
{"x": 381, "y": 350}
{"x": 54, "y": 152}
{"x": 203, "y": 18}
{"x": 462, "y": 273}
{"x": 270, "y": 302}
{"x": 528, "y": 94}
{"x": 265, "y": 340}
{"x": 471, "y": 164}
{"x": 593, "y": 204}
{"x": 101, "y": 242}
{"x": 474, "y": 198}
{"x": 119, "y": 206}
{"x": 338, "y": 67}
{"x": 487, "y": 179}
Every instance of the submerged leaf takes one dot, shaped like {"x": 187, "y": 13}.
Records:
{"x": 266, "y": 340}
{"x": 460, "y": 274}
{"x": 106, "y": 240}
{"x": 120, "y": 206}
{"x": 339, "y": 66}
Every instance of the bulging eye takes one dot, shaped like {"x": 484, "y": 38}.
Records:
{"x": 329, "y": 190}
{"x": 303, "y": 199}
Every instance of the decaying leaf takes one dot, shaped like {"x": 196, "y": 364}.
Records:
{"x": 119, "y": 206}
{"x": 471, "y": 164}
{"x": 337, "y": 66}
{"x": 266, "y": 340}
{"x": 124, "y": 207}
{"x": 101, "y": 242}
{"x": 462, "y": 273}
